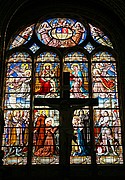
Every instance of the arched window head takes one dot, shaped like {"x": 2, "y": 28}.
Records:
{"x": 60, "y": 33}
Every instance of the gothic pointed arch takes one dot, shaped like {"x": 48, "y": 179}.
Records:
{"x": 36, "y": 57}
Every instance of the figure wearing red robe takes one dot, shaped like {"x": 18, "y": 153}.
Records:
{"x": 40, "y": 131}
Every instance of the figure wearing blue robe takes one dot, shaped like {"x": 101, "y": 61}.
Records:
{"x": 83, "y": 151}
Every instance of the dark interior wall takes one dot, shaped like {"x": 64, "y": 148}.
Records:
{"x": 108, "y": 14}
{"x": 15, "y": 14}
{"x": 53, "y": 172}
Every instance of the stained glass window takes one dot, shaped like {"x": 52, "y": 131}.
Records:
{"x": 46, "y": 50}
{"x": 61, "y": 32}
{"x": 22, "y": 38}
{"x": 107, "y": 125}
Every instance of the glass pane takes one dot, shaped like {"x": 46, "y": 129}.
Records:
{"x": 107, "y": 128}
{"x": 61, "y": 32}
{"x": 76, "y": 64}
{"x": 18, "y": 78}
{"x": 99, "y": 36}
{"x": 107, "y": 124}
{"x": 103, "y": 56}
{"x": 15, "y": 137}
{"x": 47, "y": 76}
{"x": 104, "y": 83}
{"x": 22, "y": 38}
{"x": 46, "y": 137}
{"x": 17, "y": 97}
{"x": 81, "y": 139}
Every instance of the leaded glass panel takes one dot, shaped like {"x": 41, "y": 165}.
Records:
{"x": 58, "y": 45}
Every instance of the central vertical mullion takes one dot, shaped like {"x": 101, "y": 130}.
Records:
{"x": 64, "y": 159}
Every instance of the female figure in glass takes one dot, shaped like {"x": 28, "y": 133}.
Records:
{"x": 76, "y": 82}
{"x": 82, "y": 151}
{"x": 48, "y": 148}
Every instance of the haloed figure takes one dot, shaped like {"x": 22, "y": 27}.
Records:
{"x": 80, "y": 149}
{"x": 48, "y": 148}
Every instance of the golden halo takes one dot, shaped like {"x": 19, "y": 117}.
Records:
{"x": 47, "y": 64}
{"x": 75, "y": 64}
